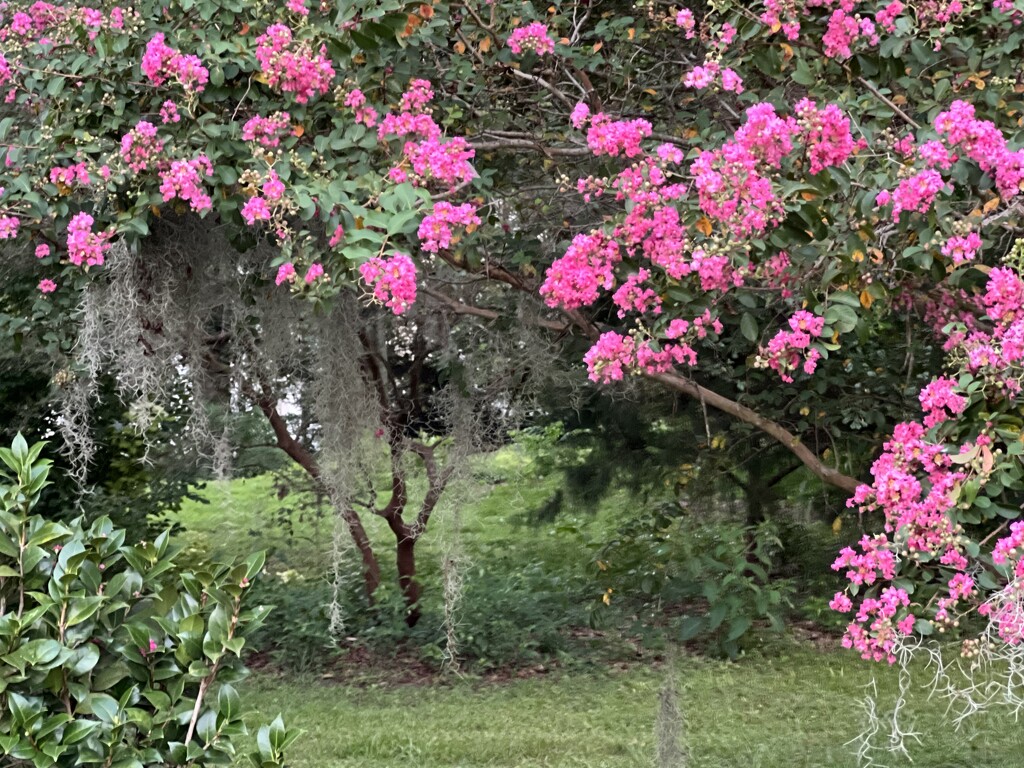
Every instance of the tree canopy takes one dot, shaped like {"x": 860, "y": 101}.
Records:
{"x": 801, "y": 213}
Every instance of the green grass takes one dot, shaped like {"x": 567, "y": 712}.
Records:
{"x": 495, "y": 509}
{"x": 795, "y": 710}
{"x": 788, "y": 709}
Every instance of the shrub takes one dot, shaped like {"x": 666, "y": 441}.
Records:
{"x": 110, "y": 653}
{"x": 717, "y": 572}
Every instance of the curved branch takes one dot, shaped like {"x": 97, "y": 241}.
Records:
{"x": 771, "y": 428}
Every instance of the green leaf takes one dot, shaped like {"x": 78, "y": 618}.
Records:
{"x": 229, "y": 703}
{"x": 748, "y": 327}
{"x": 102, "y": 706}
{"x": 83, "y": 608}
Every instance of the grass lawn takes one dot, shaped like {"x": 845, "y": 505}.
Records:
{"x": 794, "y": 710}
{"x": 790, "y": 707}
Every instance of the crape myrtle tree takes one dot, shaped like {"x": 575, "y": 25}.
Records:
{"x": 763, "y": 197}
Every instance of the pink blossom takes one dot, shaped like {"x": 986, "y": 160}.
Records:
{"x": 532, "y": 37}
{"x": 47, "y": 286}
{"x": 392, "y": 281}
{"x": 84, "y": 245}
{"x": 291, "y": 66}
{"x": 285, "y": 273}
{"x": 435, "y": 231}
{"x": 255, "y": 209}
{"x": 315, "y": 271}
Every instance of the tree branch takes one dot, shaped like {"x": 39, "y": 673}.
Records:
{"x": 771, "y": 428}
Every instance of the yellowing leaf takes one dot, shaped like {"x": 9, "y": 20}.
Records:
{"x": 787, "y": 53}
{"x": 564, "y": 41}
{"x": 807, "y": 195}
{"x": 837, "y": 525}
{"x": 485, "y": 44}
{"x": 259, "y": 77}
{"x": 155, "y": 210}
{"x": 598, "y": 46}
{"x": 602, "y": 565}
{"x": 631, "y": 33}
{"x": 857, "y": 256}
{"x": 866, "y": 299}
{"x": 298, "y": 130}
{"x": 359, "y": 222}
{"x": 460, "y": 47}
{"x": 704, "y": 226}
{"x": 650, "y": 91}
{"x": 991, "y": 205}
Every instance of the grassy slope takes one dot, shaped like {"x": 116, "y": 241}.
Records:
{"x": 783, "y": 713}
{"x": 797, "y": 709}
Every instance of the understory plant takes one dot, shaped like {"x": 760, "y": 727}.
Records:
{"x": 110, "y": 653}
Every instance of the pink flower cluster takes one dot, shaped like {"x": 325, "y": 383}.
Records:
{"x": 915, "y": 511}
{"x": 141, "y": 147}
{"x": 1006, "y": 611}
{"x": 532, "y": 37}
{"x": 916, "y": 193}
{"x": 782, "y": 15}
{"x": 940, "y": 401}
{"x": 876, "y": 560}
{"x": 711, "y": 73}
{"x": 730, "y": 185}
{"x": 291, "y": 66}
{"x": 446, "y": 162}
{"x": 686, "y": 22}
{"x": 267, "y": 131}
{"x": 435, "y": 231}
{"x": 8, "y": 227}
{"x": 875, "y": 630}
{"x": 255, "y": 209}
{"x": 285, "y": 273}
{"x": 184, "y": 179}
{"x": 826, "y": 135}
{"x": 789, "y": 350}
{"x": 392, "y": 281}
{"x": 72, "y": 175}
{"x": 962, "y": 249}
{"x": 575, "y": 280}
{"x": 418, "y": 95}
{"x": 84, "y": 245}
{"x": 356, "y": 100}
{"x": 612, "y": 137}
{"x": 844, "y": 30}
{"x": 983, "y": 143}
{"x": 613, "y": 355}
{"x": 160, "y": 60}
{"x": 886, "y": 17}
{"x": 47, "y": 286}
{"x": 633, "y": 296}
{"x": 169, "y": 113}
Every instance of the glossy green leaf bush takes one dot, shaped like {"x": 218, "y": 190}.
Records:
{"x": 110, "y": 653}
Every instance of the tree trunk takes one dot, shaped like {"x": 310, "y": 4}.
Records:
{"x": 371, "y": 568}
{"x": 405, "y": 550}
{"x": 301, "y": 456}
